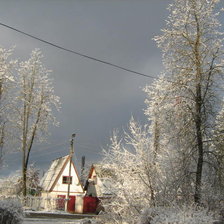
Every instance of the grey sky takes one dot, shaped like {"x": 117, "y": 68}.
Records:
{"x": 96, "y": 98}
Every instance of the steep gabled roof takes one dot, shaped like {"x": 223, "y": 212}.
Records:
{"x": 107, "y": 177}
{"x": 51, "y": 176}
{"x": 102, "y": 172}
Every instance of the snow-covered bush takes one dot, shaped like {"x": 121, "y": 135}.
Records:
{"x": 12, "y": 185}
{"x": 11, "y": 212}
{"x": 176, "y": 215}
{"x": 136, "y": 176}
{"x": 90, "y": 221}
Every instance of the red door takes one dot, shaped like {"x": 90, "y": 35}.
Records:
{"x": 71, "y": 204}
{"x": 90, "y": 204}
{"x": 60, "y": 203}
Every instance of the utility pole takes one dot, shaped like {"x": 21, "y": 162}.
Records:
{"x": 71, "y": 152}
{"x": 82, "y": 169}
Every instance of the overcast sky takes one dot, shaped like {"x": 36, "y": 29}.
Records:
{"x": 96, "y": 98}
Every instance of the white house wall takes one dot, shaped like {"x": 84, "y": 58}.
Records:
{"x": 94, "y": 188}
{"x": 99, "y": 187}
{"x": 75, "y": 187}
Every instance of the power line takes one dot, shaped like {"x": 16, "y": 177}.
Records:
{"x": 50, "y": 146}
{"x": 77, "y": 53}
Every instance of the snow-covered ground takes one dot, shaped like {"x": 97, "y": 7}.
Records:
{"x": 49, "y": 221}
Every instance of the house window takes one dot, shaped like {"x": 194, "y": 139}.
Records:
{"x": 67, "y": 180}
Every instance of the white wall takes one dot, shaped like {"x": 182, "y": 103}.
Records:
{"x": 95, "y": 184}
{"x": 75, "y": 187}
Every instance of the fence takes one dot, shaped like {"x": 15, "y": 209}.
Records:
{"x": 75, "y": 204}
{"x": 37, "y": 203}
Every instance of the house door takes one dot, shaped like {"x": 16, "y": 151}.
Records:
{"x": 90, "y": 204}
{"x": 71, "y": 204}
{"x": 60, "y": 203}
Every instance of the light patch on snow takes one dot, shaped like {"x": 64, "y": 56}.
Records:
{"x": 49, "y": 221}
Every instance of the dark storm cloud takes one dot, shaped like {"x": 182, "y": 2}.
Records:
{"x": 96, "y": 98}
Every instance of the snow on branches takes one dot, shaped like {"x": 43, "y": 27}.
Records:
{"x": 11, "y": 211}
{"x": 178, "y": 156}
{"x": 27, "y": 104}
{"x": 184, "y": 112}
{"x": 136, "y": 173}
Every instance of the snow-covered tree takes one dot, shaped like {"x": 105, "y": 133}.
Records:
{"x": 193, "y": 61}
{"x": 34, "y": 104}
{"x": 217, "y": 154}
{"x": 33, "y": 180}
{"x": 168, "y": 140}
{"x": 13, "y": 184}
{"x": 137, "y": 176}
{"x": 7, "y": 67}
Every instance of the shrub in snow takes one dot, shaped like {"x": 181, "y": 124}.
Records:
{"x": 90, "y": 221}
{"x": 85, "y": 221}
{"x": 12, "y": 185}
{"x": 176, "y": 215}
{"x": 11, "y": 212}
{"x": 146, "y": 217}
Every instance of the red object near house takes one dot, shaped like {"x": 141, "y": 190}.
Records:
{"x": 71, "y": 204}
{"x": 90, "y": 204}
{"x": 60, "y": 203}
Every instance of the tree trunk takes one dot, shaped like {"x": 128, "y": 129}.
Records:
{"x": 24, "y": 172}
{"x": 156, "y": 136}
{"x": 197, "y": 195}
{"x": 198, "y": 125}
{"x": 198, "y": 111}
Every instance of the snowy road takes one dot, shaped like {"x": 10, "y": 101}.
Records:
{"x": 50, "y": 221}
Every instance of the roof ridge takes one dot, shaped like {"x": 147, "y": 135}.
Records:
{"x": 60, "y": 157}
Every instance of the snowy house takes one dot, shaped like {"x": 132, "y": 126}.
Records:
{"x": 55, "y": 185}
{"x": 99, "y": 182}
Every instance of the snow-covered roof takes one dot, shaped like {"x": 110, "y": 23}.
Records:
{"x": 53, "y": 172}
{"x": 104, "y": 184}
{"x": 102, "y": 172}
{"x": 105, "y": 189}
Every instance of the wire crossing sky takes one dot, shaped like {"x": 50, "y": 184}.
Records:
{"x": 75, "y": 52}
{"x": 95, "y": 99}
